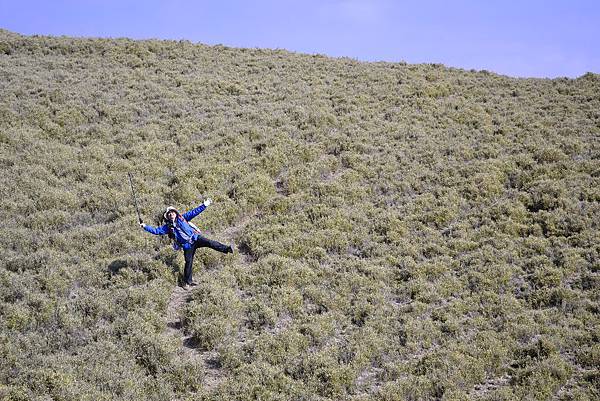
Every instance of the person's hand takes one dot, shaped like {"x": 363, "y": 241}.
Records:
{"x": 142, "y": 225}
{"x": 207, "y": 202}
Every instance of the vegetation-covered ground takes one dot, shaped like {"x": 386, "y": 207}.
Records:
{"x": 405, "y": 231}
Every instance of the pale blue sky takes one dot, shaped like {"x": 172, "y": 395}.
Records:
{"x": 519, "y": 38}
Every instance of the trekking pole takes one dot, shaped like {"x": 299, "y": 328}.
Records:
{"x": 135, "y": 199}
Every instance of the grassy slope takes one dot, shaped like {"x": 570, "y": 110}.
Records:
{"x": 406, "y": 231}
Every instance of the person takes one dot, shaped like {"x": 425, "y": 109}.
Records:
{"x": 186, "y": 236}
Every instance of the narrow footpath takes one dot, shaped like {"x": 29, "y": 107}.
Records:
{"x": 188, "y": 349}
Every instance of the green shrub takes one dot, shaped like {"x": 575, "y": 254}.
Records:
{"x": 403, "y": 231}
{"x": 212, "y": 314}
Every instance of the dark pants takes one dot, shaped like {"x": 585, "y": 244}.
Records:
{"x": 188, "y": 254}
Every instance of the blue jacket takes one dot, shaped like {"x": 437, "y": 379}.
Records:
{"x": 185, "y": 235}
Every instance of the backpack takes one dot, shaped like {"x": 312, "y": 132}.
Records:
{"x": 195, "y": 229}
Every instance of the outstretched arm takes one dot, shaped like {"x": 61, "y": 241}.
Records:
{"x": 162, "y": 230}
{"x": 195, "y": 212}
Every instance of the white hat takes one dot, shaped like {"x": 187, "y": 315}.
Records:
{"x": 169, "y": 209}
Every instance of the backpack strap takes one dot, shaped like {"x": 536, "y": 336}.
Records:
{"x": 194, "y": 227}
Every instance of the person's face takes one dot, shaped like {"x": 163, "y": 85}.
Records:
{"x": 171, "y": 215}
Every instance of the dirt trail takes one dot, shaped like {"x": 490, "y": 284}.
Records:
{"x": 189, "y": 350}
{"x": 214, "y": 375}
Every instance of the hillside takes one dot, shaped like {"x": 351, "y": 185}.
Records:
{"x": 404, "y": 232}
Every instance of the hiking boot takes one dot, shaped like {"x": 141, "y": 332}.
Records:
{"x": 192, "y": 284}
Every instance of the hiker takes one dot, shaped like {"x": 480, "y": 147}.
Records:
{"x": 187, "y": 236}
